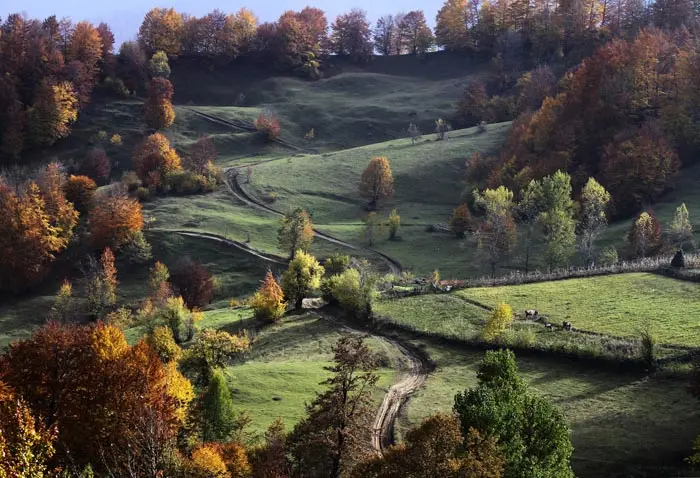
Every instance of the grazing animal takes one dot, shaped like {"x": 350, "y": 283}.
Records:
{"x": 566, "y": 325}
{"x": 548, "y": 326}
{"x": 530, "y": 313}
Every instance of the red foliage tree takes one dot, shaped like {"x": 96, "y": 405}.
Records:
{"x": 193, "y": 282}
{"x": 97, "y": 165}
{"x": 201, "y": 156}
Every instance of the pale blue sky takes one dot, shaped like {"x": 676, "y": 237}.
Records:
{"x": 124, "y": 16}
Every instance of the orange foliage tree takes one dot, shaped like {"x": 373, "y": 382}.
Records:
{"x": 268, "y": 302}
{"x": 86, "y": 47}
{"x": 89, "y": 382}
{"x": 29, "y": 242}
{"x": 377, "y": 182}
{"x": 159, "y": 111}
{"x": 154, "y": 158}
{"x": 461, "y": 220}
{"x": 53, "y": 112}
{"x": 25, "y": 443}
{"x": 80, "y": 190}
{"x": 63, "y": 216}
{"x": 114, "y": 219}
{"x": 160, "y": 31}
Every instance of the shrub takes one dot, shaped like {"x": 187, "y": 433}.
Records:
{"x": 80, "y": 190}
{"x": 193, "y": 282}
{"x": 116, "y": 87}
{"x": 116, "y": 140}
{"x": 394, "y": 224}
{"x": 460, "y": 222}
{"x": 131, "y": 181}
{"x": 647, "y": 347}
{"x": 268, "y": 126}
{"x": 608, "y": 256}
{"x": 352, "y": 292}
{"x": 136, "y": 249}
{"x": 96, "y": 165}
{"x": 189, "y": 182}
{"x": 336, "y": 264}
{"x": 499, "y": 321}
{"x": 268, "y": 302}
{"x": 143, "y": 194}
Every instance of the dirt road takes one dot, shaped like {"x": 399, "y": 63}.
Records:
{"x": 241, "y": 195}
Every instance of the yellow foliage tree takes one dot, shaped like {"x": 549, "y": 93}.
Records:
{"x": 160, "y": 30}
{"x": 53, "y": 112}
{"x": 268, "y": 302}
{"x": 207, "y": 461}
{"x": 303, "y": 275}
{"x": 377, "y": 182}
{"x": 499, "y": 321}
{"x": 154, "y": 158}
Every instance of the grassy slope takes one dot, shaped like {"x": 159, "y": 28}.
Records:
{"x": 622, "y": 425}
{"x": 285, "y": 367}
{"x": 427, "y": 183}
{"x": 617, "y": 304}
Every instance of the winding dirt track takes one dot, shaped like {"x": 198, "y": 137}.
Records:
{"x": 241, "y": 195}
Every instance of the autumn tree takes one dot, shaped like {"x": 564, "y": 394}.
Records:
{"x": 85, "y": 47}
{"x": 268, "y": 126}
{"x": 101, "y": 284}
{"x": 215, "y": 349}
{"x": 54, "y": 110}
{"x": 556, "y": 219}
{"x": 160, "y": 31}
{"x": 384, "y": 35}
{"x": 499, "y": 320}
{"x": 80, "y": 191}
{"x": 681, "y": 229}
{"x": 63, "y": 309}
{"x": 335, "y": 433}
{"x": 528, "y": 210}
{"x": 645, "y": 235}
{"x": 268, "y": 302}
{"x": 453, "y": 29}
{"x": 158, "y": 66}
{"x": 96, "y": 165}
{"x": 301, "y": 277}
{"x": 159, "y": 284}
{"x": 497, "y": 233}
{"x": 377, "y": 182}
{"x": 437, "y": 449}
{"x": 472, "y": 105}
{"x": 51, "y": 180}
{"x": 26, "y": 444}
{"x": 460, "y": 222}
{"x": 533, "y": 87}
{"x": 90, "y": 382}
{"x": 296, "y": 232}
{"x": 218, "y": 414}
{"x": 159, "y": 111}
{"x": 639, "y": 167}
{"x": 415, "y": 32}
{"x": 193, "y": 282}
{"x": 269, "y": 459}
{"x": 351, "y": 35}
{"x": 114, "y": 219}
{"x": 162, "y": 342}
{"x": 154, "y": 159}
{"x": 132, "y": 65}
{"x": 532, "y": 434}
{"x": 30, "y": 242}
{"x": 201, "y": 156}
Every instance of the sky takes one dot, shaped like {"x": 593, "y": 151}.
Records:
{"x": 125, "y": 16}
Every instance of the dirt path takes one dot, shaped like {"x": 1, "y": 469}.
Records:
{"x": 241, "y": 195}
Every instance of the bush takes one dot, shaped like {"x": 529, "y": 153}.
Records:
{"x": 131, "y": 181}
{"x": 608, "y": 256}
{"x": 268, "y": 126}
{"x": 116, "y": 140}
{"x": 143, "y": 194}
{"x": 394, "y": 225}
{"x": 647, "y": 347}
{"x": 352, "y": 292}
{"x": 336, "y": 264}
{"x": 136, "y": 249}
{"x": 116, "y": 87}
{"x": 188, "y": 182}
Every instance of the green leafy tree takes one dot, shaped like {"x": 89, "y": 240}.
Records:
{"x": 218, "y": 413}
{"x": 593, "y": 220}
{"x": 529, "y": 209}
{"x": 301, "y": 277}
{"x": 101, "y": 284}
{"x": 556, "y": 219}
{"x": 681, "y": 229}
{"x": 532, "y": 434}
{"x": 371, "y": 225}
{"x": 159, "y": 67}
{"x": 497, "y": 232}
{"x": 296, "y": 232}
{"x": 354, "y": 291}
{"x": 335, "y": 434}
